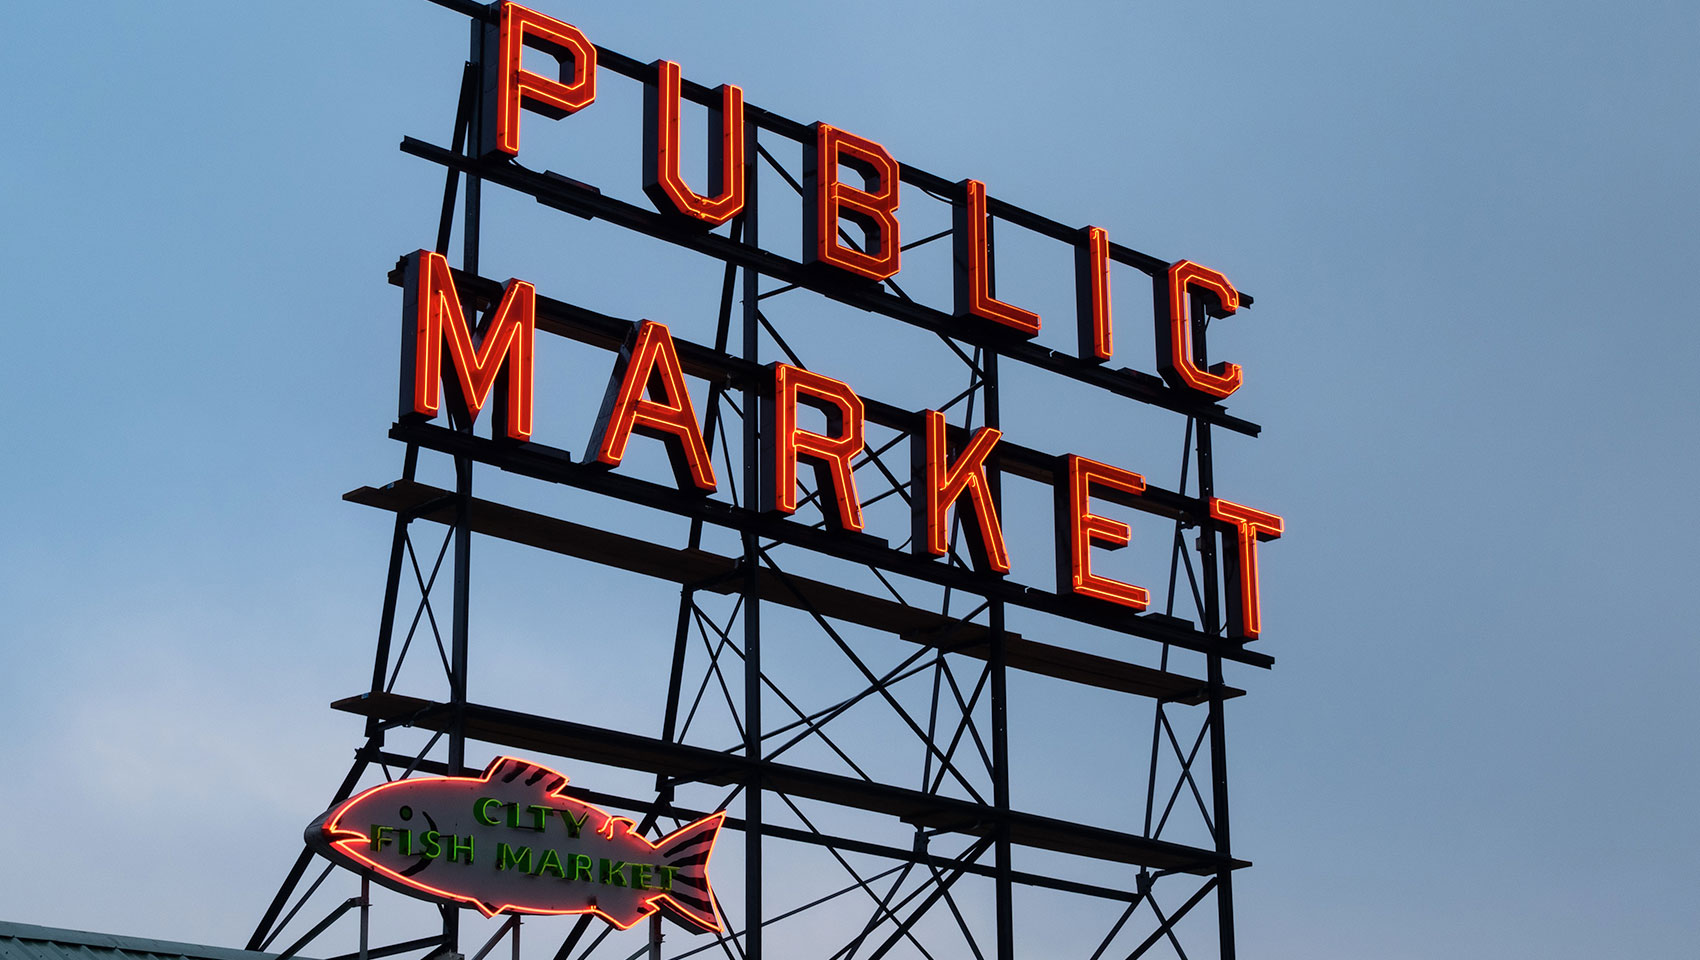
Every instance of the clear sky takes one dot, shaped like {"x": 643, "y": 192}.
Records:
{"x": 1468, "y": 228}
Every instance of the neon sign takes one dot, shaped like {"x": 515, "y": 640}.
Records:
{"x": 849, "y": 181}
{"x": 649, "y": 365}
{"x": 511, "y": 841}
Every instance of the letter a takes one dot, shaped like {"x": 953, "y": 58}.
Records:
{"x": 648, "y": 361}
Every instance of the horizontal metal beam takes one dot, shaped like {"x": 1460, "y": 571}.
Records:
{"x": 847, "y": 844}
{"x": 572, "y": 196}
{"x": 686, "y": 763}
{"x": 719, "y": 574}
{"x": 549, "y": 463}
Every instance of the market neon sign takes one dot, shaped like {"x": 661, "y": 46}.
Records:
{"x": 512, "y": 841}
{"x": 647, "y": 396}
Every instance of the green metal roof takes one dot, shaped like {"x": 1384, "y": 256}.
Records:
{"x": 26, "y": 941}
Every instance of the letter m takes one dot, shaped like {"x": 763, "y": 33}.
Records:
{"x": 497, "y": 359}
{"x": 518, "y": 858}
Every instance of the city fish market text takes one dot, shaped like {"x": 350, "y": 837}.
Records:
{"x": 574, "y": 866}
{"x": 512, "y": 841}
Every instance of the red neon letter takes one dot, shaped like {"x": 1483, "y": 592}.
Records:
{"x": 1250, "y": 525}
{"x": 515, "y": 86}
{"x": 785, "y": 442}
{"x": 1078, "y": 527}
{"x": 431, "y": 313}
{"x": 1092, "y": 294}
{"x": 661, "y": 178}
{"x": 1175, "y": 358}
{"x": 873, "y": 207}
{"x": 938, "y": 485}
{"x": 973, "y": 266}
{"x": 649, "y": 362}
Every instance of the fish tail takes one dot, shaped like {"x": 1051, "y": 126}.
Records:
{"x": 685, "y": 853}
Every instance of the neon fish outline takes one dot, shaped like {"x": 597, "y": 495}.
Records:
{"x": 675, "y": 866}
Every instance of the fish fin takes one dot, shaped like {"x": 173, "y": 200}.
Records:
{"x": 510, "y": 768}
{"x": 608, "y": 828}
{"x": 686, "y": 851}
{"x": 644, "y": 909}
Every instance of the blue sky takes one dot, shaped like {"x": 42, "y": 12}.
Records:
{"x": 1468, "y": 227}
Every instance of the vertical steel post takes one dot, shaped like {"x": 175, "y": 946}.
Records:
{"x": 752, "y": 567}
{"x": 392, "y": 592}
{"x": 995, "y": 660}
{"x": 386, "y": 619}
{"x": 365, "y": 914}
{"x": 463, "y": 473}
{"x": 693, "y": 541}
{"x": 1213, "y": 626}
{"x": 1000, "y": 705}
{"x": 462, "y": 596}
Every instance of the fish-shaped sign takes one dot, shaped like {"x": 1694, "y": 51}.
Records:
{"x": 512, "y": 841}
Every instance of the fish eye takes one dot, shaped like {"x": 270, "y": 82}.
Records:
{"x": 407, "y": 813}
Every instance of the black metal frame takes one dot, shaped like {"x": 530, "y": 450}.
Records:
{"x": 963, "y": 804}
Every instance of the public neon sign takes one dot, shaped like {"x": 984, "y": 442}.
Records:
{"x": 511, "y": 841}
{"x": 831, "y": 200}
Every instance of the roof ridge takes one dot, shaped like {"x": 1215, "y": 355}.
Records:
{"x": 10, "y": 930}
